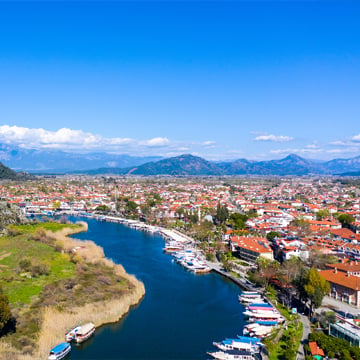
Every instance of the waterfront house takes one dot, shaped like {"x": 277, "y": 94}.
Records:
{"x": 250, "y": 248}
{"x": 345, "y": 329}
{"x": 343, "y": 286}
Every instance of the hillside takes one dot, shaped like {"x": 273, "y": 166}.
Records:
{"x": 8, "y": 174}
{"x": 56, "y": 161}
{"x": 10, "y": 215}
{"x": 179, "y": 165}
{"x": 189, "y": 165}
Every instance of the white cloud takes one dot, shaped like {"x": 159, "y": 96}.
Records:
{"x": 342, "y": 151}
{"x": 208, "y": 143}
{"x": 297, "y": 151}
{"x": 156, "y": 142}
{"x": 68, "y": 139}
{"x": 356, "y": 138}
{"x": 275, "y": 138}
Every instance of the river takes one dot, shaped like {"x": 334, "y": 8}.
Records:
{"x": 181, "y": 313}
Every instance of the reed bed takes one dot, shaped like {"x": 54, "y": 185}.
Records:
{"x": 55, "y": 322}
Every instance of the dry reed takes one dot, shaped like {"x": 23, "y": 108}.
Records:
{"x": 55, "y": 323}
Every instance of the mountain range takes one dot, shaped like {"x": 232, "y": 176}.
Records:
{"x": 94, "y": 163}
{"x": 55, "y": 161}
{"x": 193, "y": 165}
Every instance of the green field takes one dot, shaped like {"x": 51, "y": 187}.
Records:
{"x": 20, "y": 286}
{"x": 51, "y": 226}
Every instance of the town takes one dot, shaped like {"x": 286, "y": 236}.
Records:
{"x": 297, "y": 240}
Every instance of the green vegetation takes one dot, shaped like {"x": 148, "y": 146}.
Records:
{"x": 346, "y": 220}
{"x": 285, "y": 347}
{"x": 103, "y": 208}
{"x": 272, "y": 235}
{"x": 238, "y": 221}
{"x": 30, "y": 265}
{"x": 33, "y": 227}
{"x": 316, "y": 287}
{"x": 5, "y": 313}
{"x": 334, "y": 347}
{"x": 283, "y": 343}
{"x": 36, "y": 271}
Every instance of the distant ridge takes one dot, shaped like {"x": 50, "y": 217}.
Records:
{"x": 193, "y": 165}
{"x": 8, "y": 174}
{"x": 56, "y": 161}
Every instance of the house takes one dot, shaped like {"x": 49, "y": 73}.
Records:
{"x": 345, "y": 329}
{"x": 316, "y": 352}
{"x": 250, "y": 248}
{"x": 343, "y": 286}
{"x": 352, "y": 267}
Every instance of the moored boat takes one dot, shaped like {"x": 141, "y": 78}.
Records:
{"x": 70, "y": 335}
{"x": 85, "y": 332}
{"x": 232, "y": 355}
{"x": 59, "y": 351}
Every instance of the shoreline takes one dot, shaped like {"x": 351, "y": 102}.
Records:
{"x": 55, "y": 321}
{"x": 173, "y": 235}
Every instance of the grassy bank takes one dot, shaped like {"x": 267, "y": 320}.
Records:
{"x": 284, "y": 342}
{"x": 54, "y": 282}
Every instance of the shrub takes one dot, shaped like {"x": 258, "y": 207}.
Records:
{"x": 25, "y": 264}
{"x": 104, "y": 280}
{"x": 39, "y": 269}
{"x": 5, "y": 313}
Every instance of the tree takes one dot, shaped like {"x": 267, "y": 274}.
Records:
{"x": 301, "y": 227}
{"x": 267, "y": 269}
{"x": 194, "y": 218}
{"x": 322, "y": 213}
{"x": 103, "y": 208}
{"x": 180, "y": 212}
{"x": 346, "y": 220}
{"x": 222, "y": 213}
{"x": 289, "y": 272}
{"x": 131, "y": 207}
{"x": 203, "y": 231}
{"x": 272, "y": 235}
{"x": 316, "y": 287}
{"x": 238, "y": 221}
{"x": 56, "y": 205}
{"x": 5, "y": 313}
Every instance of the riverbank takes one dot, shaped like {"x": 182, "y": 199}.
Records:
{"x": 55, "y": 318}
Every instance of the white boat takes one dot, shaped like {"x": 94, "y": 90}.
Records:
{"x": 237, "y": 344}
{"x": 232, "y": 355}
{"x": 250, "y": 297}
{"x": 261, "y": 331}
{"x": 70, "y": 335}
{"x": 85, "y": 332}
{"x": 59, "y": 351}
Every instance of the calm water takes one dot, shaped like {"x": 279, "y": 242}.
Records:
{"x": 181, "y": 314}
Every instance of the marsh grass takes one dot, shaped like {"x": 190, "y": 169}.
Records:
{"x": 81, "y": 286}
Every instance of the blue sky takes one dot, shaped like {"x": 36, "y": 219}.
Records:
{"x": 222, "y": 80}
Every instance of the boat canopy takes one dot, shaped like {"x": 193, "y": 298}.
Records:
{"x": 59, "y": 348}
{"x": 85, "y": 329}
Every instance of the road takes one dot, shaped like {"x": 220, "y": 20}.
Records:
{"x": 331, "y": 303}
{"x": 306, "y": 331}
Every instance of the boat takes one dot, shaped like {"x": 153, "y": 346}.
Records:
{"x": 232, "y": 355}
{"x": 70, "y": 335}
{"x": 85, "y": 332}
{"x": 250, "y": 297}
{"x": 59, "y": 351}
{"x": 238, "y": 344}
{"x": 260, "y": 306}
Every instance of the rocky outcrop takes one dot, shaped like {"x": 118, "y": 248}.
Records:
{"x": 10, "y": 214}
